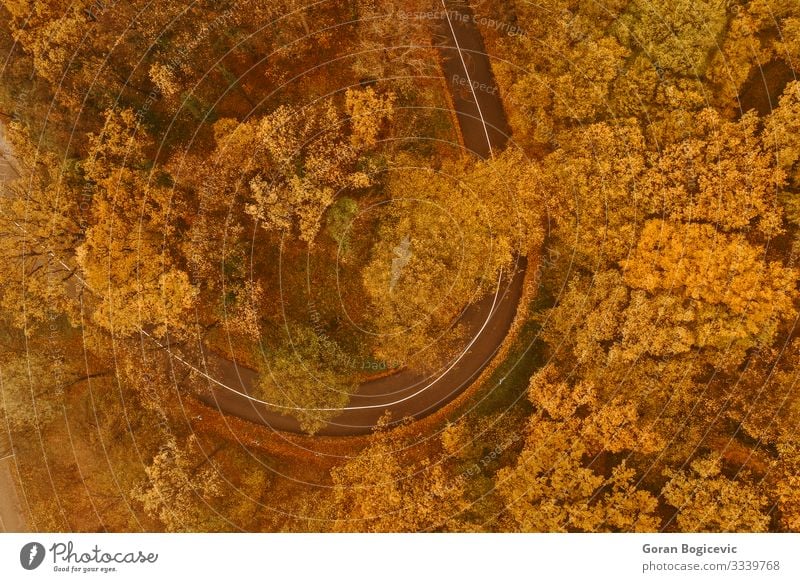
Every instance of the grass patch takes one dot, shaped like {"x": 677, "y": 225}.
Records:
{"x": 509, "y": 382}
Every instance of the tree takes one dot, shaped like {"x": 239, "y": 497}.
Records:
{"x": 553, "y": 488}
{"x": 339, "y": 220}
{"x": 368, "y": 112}
{"x": 760, "y": 395}
{"x": 392, "y": 41}
{"x": 30, "y": 393}
{"x": 55, "y": 42}
{"x": 41, "y": 230}
{"x": 785, "y": 482}
{"x": 708, "y": 501}
{"x": 125, "y": 257}
{"x": 569, "y": 82}
{"x": 582, "y": 92}
{"x": 761, "y": 39}
{"x": 609, "y": 179}
{"x": 781, "y": 135}
{"x": 303, "y": 375}
{"x": 293, "y": 162}
{"x": 443, "y": 241}
{"x": 675, "y": 239}
{"x": 379, "y": 490}
{"x": 702, "y": 289}
{"x": 594, "y": 180}
{"x": 723, "y": 174}
{"x": 180, "y": 489}
{"x": 679, "y": 37}
{"x": 687, "y": 308}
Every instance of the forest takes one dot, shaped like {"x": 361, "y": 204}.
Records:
{"x": 230, "y": 228}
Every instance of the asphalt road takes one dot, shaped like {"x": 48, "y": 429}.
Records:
{"x": 484, "y": 130}
{"x": 403, "y": 394}
{"x": 466, "y": 67}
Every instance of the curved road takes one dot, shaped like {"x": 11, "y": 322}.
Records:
{"x": 484, "y": 131}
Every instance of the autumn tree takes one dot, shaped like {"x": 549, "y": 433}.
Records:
{"x": 339, "y": 220}
{"x": 303, "y": 375}
{"x": 292, "y": 162}
{"x": 781, "y": 129}
{"x": 393, "y": 41}
{"x": 436, "y": 253}
{"x": 723, "y": 173}
{"x": 674, "y": 283}
{"x": 660, "y": 324}
{"x": 760, "y": 396}
{"x": 756, "y": 56}
{"x": 679, "y": 37}
{"x": 785, "y": 481}
{"x": 717, "y": 289}
{"x": 181, "y": 488}
{"x": 30, "y": 393}
{"x": 41, "y": 231}
{"x": 708, "y": 501}
{"x": 552, "y": 487}
{"x": 379, "y": 490}
{"x": 126, "y": 258}
{"x": 368, "y": 112}
{"x": 596, "y": 170}
{"x": 560, "y": 65}
{"x": 89, "y": 53}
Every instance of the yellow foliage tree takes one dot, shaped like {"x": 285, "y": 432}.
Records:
{"x": 293, "y": 162}
{"x": 552, "y": 488}
{"x": 444, "y": 239}
{"x": 125, "y": 257}
{"x": 380, "y": 491}
{"x": 708, "y": 501}
{"x": 702, "y": 288}
{"x": 180, "y": 488}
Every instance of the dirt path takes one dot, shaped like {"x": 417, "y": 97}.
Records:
{"x": 11, "y": 515}
{"x": 484, "y": 129}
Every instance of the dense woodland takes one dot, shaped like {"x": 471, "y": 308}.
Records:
{"x": 215, "y": 175}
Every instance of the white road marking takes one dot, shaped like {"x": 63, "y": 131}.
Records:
{"x": 469, "y": 80}
{"x": 299, "y": 408}
{"x": 280, "y": 406}
{"x": 366, "y": 407}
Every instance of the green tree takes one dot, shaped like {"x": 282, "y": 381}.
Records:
{"x": 303, "y": 375}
